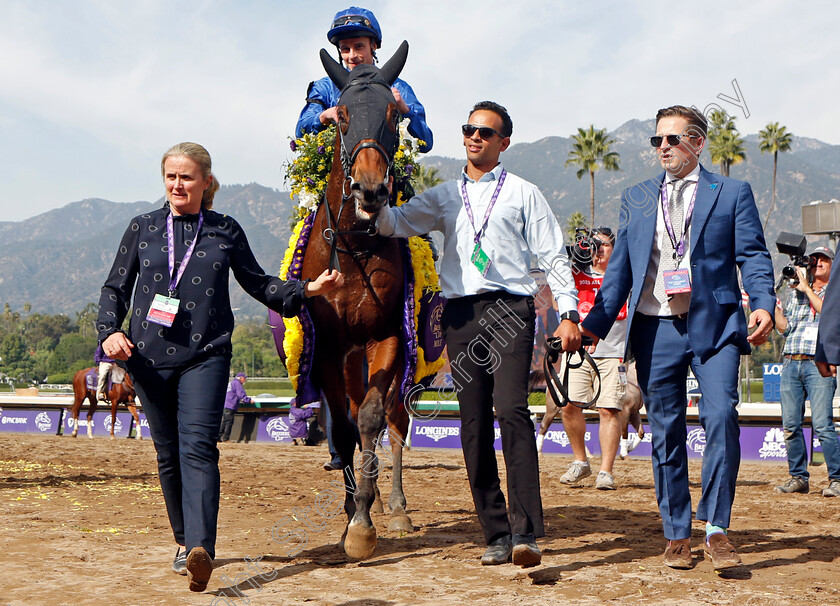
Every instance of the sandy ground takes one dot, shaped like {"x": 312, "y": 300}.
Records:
{"x": 83, "y": 522}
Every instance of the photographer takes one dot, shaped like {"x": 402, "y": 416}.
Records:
{"x": 591, "y": 255}
{"x": 798, "y": 321}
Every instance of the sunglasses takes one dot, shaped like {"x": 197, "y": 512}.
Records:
{"x": 673, "y": 140}
{"x": 351, "y": 19}
{"x": 485, "y": 132}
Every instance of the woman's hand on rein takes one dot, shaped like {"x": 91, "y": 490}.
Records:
{"x": 117, "y": 346}
{"x": 327, "y": 281}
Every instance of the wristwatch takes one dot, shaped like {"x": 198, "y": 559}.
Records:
{"x": 572, "y": 316}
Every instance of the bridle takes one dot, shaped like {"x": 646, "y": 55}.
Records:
{"x": 348, "y": 159}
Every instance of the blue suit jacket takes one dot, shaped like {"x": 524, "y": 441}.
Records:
{"x": 726, "y": 233}
{"x": 828, "y": 341}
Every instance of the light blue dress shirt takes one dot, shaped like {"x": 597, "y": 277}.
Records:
{"x": 521, "y": 225}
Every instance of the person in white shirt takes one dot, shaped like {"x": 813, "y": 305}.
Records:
{"x": 493, "y": 223}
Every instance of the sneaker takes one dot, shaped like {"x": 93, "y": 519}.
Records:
{"x": 540, "y": 440}
{"x": 833, "y": 489}
{"x": 577, "y": 471}
{"x": 622, "y": 449}
{"x": 605, "y": 481}
{"x": 332, "y": 465}
{"x": 796, "y": 484}
{"x": 179, "y": 564}
{"x": 633, "y": 440}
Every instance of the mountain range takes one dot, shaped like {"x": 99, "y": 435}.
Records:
{"x": 57, "y": 261}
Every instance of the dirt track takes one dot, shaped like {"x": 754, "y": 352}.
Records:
{"x": 83, "y": 522}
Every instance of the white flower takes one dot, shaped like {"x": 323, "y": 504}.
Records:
{"x": 308, "y": 200}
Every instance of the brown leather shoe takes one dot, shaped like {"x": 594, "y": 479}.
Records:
{"x": 678, "y": 554}
{"x": 721, "y": 552}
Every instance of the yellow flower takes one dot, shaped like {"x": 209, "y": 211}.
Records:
{"x": 293, "y": 335}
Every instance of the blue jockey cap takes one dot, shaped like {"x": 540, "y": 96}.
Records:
{"x": 354, "y": 22}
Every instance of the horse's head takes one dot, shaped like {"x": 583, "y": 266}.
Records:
{"x": 367, "y": 125}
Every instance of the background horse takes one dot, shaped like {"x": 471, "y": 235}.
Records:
{"x": 120, "y": 393}
{"x": 361, "y": 321}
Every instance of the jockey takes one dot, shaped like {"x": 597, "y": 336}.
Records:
{"x": 105, "y": 365}
{"x": 356, "y": 33}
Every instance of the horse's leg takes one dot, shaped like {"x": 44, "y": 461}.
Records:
{"x": 132, "y": 408}
{"x": 382, "y": 362}
{"x": 91, "y": 410}
{"x": 343, "y": 435}
{"x": 353, "y": 372}
{"x": 398, "y": 431}
{"x": 74, "y": 412}
{"x": 113, "y": 397}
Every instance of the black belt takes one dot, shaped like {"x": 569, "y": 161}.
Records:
{"x": 799, "y": 357}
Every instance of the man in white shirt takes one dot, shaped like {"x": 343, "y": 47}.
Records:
{"x": 493, "y": 222}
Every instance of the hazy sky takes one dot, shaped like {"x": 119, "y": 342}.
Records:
{"x": 92, "y": 92}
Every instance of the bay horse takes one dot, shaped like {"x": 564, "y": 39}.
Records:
{"x": 120, "y": 393}
{"x": 361, "y": 321}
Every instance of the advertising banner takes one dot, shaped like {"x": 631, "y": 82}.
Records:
{"x": 30, "y": 421}
{"x": 101, "y": 423}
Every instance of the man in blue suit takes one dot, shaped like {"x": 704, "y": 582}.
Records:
{"x": 682, "y": 238}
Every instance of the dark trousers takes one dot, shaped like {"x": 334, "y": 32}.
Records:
{"x": 663, "y": 356}
{"x": 490, "y": 339}
{"x": 184, "y": 409}
{"x": 227, "y": 424}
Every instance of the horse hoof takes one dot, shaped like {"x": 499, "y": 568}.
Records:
{"x": 377, "y": 507}
{"x": 113, "y": 437}
{"x": 360, "y": 542}
{"x": 400, "y": 523}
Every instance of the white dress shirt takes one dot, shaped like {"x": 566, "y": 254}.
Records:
{"x": 520, "y": 225}
{"x": 648, "y": 303}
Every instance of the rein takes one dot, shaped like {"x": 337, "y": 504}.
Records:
{"x": 553, "y": 348}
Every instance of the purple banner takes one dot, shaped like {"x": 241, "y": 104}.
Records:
{"x": 437, "y": 433}
{"x": 101, "y": 423}
{"x": 30, "y": 421}
{"x": 273, "y": 428}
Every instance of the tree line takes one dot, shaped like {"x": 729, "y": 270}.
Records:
{"x": 51, "y": 348}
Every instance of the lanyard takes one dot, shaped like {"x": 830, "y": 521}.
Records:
{"x": 170, "y": 240}
{"x": 679, "y": 247}
{"x": 468, "y": 208}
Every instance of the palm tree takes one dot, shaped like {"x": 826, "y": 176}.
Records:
{"x": 424, "y": 178}
{"x": 774, "y": 139}
{"x": 575, "y": 220}
{"x": 589, "y": 148}
{"x": 726, "y": 145}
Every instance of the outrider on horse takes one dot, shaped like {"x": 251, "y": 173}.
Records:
{"x": 363, "y": 321}
{"x": 119, "y": 392}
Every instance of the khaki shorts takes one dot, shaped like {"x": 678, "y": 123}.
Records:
{"x": 582, "y": 380}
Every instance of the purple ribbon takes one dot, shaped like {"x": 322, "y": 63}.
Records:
{"x": 170, "y": 240}
{"x": 489, "y": 208}
{"x": 679, "y": 247}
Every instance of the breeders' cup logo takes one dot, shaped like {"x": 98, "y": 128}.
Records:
{"x": 117, "y": 425}
{"x": 277, "y": 429}
{"x": 42, "y": 421}
{"x": 437, "y": 432}
{"x": 696, "y": 440}
{"x": 774, "y": 445}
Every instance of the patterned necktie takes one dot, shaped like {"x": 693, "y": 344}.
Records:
{"x": 666, "y": 256}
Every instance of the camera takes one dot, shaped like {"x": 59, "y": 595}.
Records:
{"x": 793, "y": 245}
{"x": 585, "y": 247}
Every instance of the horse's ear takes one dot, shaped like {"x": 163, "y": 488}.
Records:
{"x": 391, "y": 70}
{"x": 334, "y": 70}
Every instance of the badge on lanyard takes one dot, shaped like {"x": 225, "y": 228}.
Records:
{"x": 622, "y": 374}
{"x": 163, "y": 310}
{"x": 677, "y": 281}
{"x": 480, "y": 259}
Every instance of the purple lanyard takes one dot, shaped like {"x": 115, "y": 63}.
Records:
{"x": 170, "y": 240}
{"x": 489, "y": 208}
{"x": 679, "y": 247}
